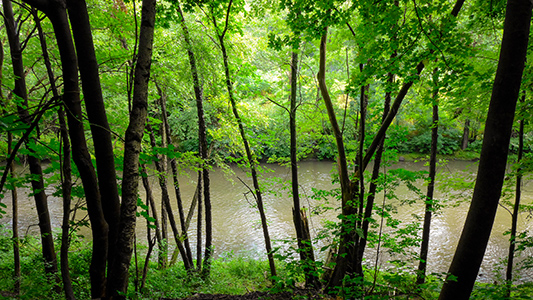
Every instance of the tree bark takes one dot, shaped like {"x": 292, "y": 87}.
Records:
{"x": 118, "y": 283}
{"x": 493, "y": 160}
{"x": 96, "y": 113}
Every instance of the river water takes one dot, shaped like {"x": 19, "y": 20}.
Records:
{"x": 236, "y": 223}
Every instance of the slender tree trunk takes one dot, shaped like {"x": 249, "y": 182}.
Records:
{"x": 251, "y": 160}
{"x": 66, "y": 169}
{"x": 96, "y": 113}
{"x": 179, "y": 201}
{"x": 493, "y": 160}
{"x": 14, "y": 205}
{"x": 151, "y": 243}
{"x": 151, "y": 203}
{"x": 198, "y": 93}
{"x": 165, "y": 200}
{"x": 118, "y": 282}
{"x": 373, "y": 186}
{"x": 421, "y": 274}
{"x": 166, "y": 214}
{"x": 66, "y": 184}
{"x": 199, "y": 225}
{"x": 466, "y": 134}
{"x": 305, "y": 246}
{"x": 516, "y": 208}
{"x": 37, "y": 183}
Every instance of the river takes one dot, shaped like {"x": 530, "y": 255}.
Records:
{"x": 237, "y": 229}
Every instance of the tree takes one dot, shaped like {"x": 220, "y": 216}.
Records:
{"x": 96, "y": 113}
{"x": 198, "y": 94}
{"x": 37, "y": 182}
{"x": 251, "y": 160}
{"x": 118, "y": 279}
{"x": 478, "y": 225}
{"x": 421, "y": 274}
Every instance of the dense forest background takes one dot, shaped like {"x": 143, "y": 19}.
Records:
{"x": 98, "y": 96}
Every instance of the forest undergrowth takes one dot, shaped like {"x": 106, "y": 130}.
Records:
{"x": 233, "y": 276}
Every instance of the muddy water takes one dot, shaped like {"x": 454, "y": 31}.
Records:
{"x": 236, "y": 221}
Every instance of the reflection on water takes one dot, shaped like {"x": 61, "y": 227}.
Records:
{"x": 237, "y": 226}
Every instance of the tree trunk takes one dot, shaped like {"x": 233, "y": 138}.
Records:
{"x": 14, "y": 205}
{"x": 151, "y": 203}
{"x": 305, "y": 246}
{"x": 347, "y": 234}
{"x": 96, "y": 113}
{"x": 466, "y": 135}
{"x": 199, "y": 225}
{"x": 165, "y": 200}
{"x": 493, "y": 160}
{"x": 66, "y": 169}
{"x": 174, "y": 167}
{"x": 421, "y": 274}
{"x": 373, "y": 186}
{"x": 198, "y": 93}
{"x": 80, "y": 153}
{"x": 37, "y": 183}
{"x": 516, "y": 208}
{"x": 251, "y": 160}
{"x": 118, "y": 282}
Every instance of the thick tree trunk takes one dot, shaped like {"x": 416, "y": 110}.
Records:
{"x": 421, "y": 274}
{"x": 37, "y": 183}
{"x": 80, "y": 153}
{"x": 118, "y": 282}
{"x": 96, "y": 113}
{"x": 493, "y": 160}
